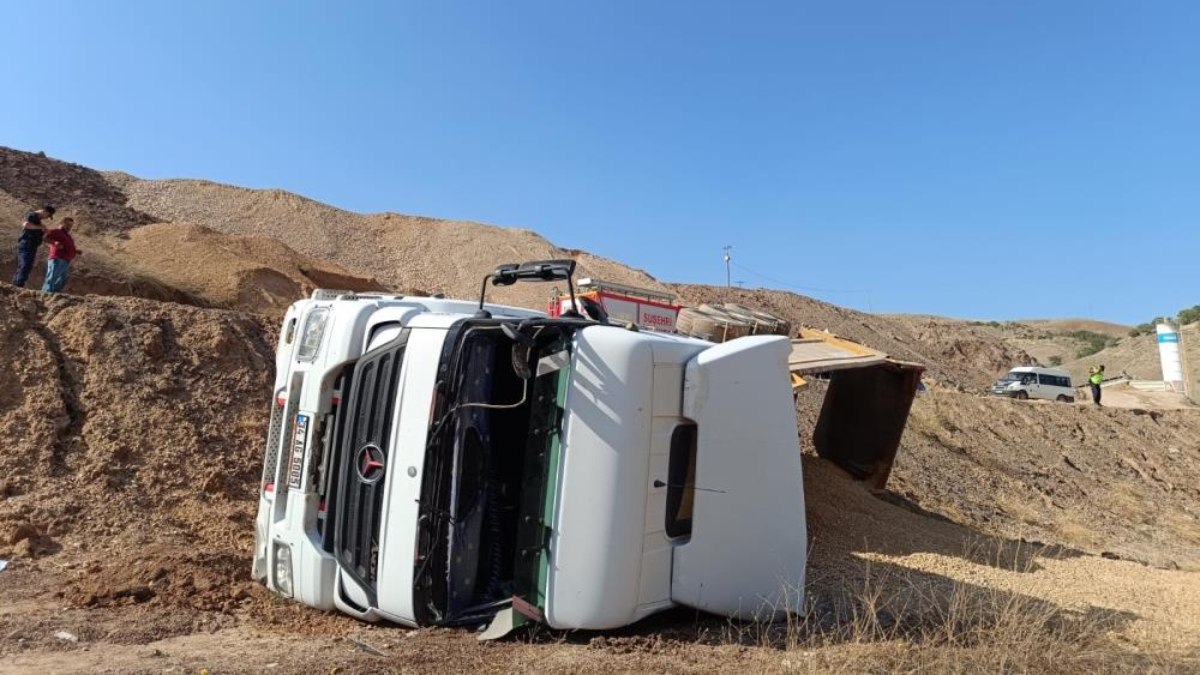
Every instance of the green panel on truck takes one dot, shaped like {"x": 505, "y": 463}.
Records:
{"x": 542, "y": 458}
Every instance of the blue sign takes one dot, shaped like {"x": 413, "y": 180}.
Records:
{"x": 1168, "y": 337}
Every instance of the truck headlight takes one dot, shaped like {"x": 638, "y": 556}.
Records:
{"x": 314, "y": 330}
{"x": 283, "y": 569}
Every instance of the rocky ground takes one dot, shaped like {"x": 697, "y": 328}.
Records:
{"x": 1014, "y": 536}
{"x": 130, "y": 439}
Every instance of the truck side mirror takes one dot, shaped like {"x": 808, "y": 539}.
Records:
{"x": 536, "y": 270}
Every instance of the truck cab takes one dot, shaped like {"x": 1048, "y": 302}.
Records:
{"x": 444, "y": 462}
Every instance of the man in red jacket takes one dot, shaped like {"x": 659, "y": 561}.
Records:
{"x": 62, "y": 252}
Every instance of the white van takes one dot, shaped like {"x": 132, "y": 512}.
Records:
{"x": 1053, "y": 384}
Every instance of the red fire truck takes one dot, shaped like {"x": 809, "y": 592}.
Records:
{"x": 645, "y": 308}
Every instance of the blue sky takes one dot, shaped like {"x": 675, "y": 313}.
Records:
{"x": 973, "y": 159}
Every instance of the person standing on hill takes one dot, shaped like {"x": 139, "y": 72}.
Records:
{"x": 1096, "y": 377}
{"x": 62, "y": 252}
{"x": 32, "y": 231}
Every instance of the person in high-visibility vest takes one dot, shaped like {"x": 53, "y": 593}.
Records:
{"x": 1096, "y": 377}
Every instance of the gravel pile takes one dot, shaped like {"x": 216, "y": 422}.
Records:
{"x": 130, "y": 437}
{"x": 31, "y": 180}
{"x": 438, "y": 256}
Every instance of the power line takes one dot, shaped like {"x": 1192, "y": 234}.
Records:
{"x": 809, "y": 289}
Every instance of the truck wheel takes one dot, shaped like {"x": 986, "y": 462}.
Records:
{"x": 1063, "y": 398}
{"x": 1021, "y": 395}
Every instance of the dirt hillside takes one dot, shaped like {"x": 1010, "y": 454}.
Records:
{"x": 147, "y": 238}
{"x": 1123, "y": 482}
{"x": 957, "y": 354}
{"x": 127, "y": 418}
{"x": 130, "y": 439}
{"x": 125, "y": 252}
{"x": 440, "y": 256}
{"x": 249, "y": 273}
{"x": 1108, "y": 328}
{"x": 29, "y": 180}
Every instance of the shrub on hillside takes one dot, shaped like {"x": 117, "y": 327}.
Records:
{"x": 1092, "y": 342}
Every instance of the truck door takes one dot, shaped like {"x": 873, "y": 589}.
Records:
{"x": 745, "y": 553}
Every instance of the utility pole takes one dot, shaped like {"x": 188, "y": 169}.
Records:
{"x": 727, "y": 248}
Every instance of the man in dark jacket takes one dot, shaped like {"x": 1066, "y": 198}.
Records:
{"x": 32, "y": 231}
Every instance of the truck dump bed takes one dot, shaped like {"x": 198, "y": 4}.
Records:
{"x": 866, "y": 406}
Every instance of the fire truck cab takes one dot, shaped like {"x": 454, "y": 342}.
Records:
{"x": 607, "y": 301}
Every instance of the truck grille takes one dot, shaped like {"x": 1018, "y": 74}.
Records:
{"x": 271, "y": 455}
{"x": 363, "y": 460}
{"x": 282, "y": 421}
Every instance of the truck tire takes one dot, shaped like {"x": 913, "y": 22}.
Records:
{"x": 1063, "y": 398}
{"x": 1021, "y": 395}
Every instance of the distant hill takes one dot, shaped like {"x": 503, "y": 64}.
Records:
{"x": 1071, "y": 325}
{"x": 209, "y": 244}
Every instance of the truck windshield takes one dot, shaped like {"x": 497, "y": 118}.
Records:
{"x": 487, "y": 470}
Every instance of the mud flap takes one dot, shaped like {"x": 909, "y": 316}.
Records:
{"x": 506, "y": 621}
{"x": 746, "y": 554}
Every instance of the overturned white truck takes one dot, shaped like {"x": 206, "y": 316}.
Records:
{"x": 442, "y": 462}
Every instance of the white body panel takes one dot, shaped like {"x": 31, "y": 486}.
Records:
{"x": 747, "y": 550}
{"x": 610, "y": 559}
{"x": 596, "y": 548}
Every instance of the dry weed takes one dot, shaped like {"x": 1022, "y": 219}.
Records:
{"x": 1019, "y": 509}
{"x": 1127, "y": 503}
{"x": 1076, "y": 534}
{"x": 909, "y": 622}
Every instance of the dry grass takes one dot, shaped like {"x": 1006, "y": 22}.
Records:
{"x": 1129, "y": 504}
{"x": 1019, "y": 509}
{"x": 1076, "y": 534}
{"x": 907, "y": 622}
